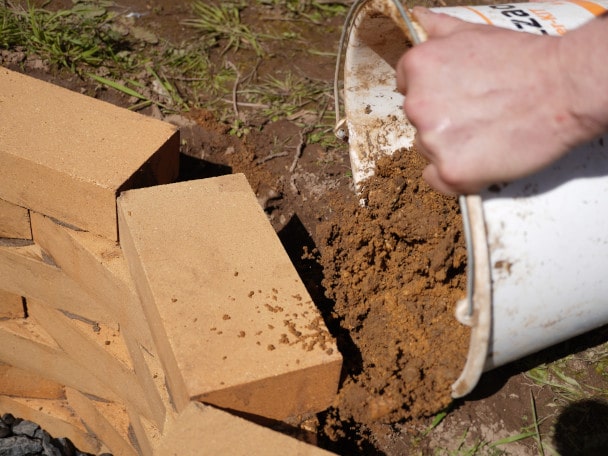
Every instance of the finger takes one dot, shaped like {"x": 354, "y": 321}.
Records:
{"x": 401, "y": 76}
{"x": 437, "y": 25}
{"x": 419, "y": 147}
{"x": 432, "y": 177}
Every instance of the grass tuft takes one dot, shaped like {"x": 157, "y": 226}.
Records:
{"x": 223, "y": 22}
{"x": 70, "y": 38}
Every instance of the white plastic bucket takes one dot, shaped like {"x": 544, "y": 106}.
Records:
{"x": 538, "y": 247}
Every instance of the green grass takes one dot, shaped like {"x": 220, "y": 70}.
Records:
{"x": 466, "y": 446}
{"x": 218, "y": 70}
{"x": 223, "y": 22}
{"x": 81, "y": 35}
{"x": 567, "y": 377}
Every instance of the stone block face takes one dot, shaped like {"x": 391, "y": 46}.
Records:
{"x": 231, "y": 319}
{"x": 14, "y": 221}
{"x": 11, "y": 305}
{"x": 20, "y": 383}
{"x": 107, "y": 421}
{"x": 202, "y": 430}
{"x": 94, "y": 357}
{"x": 45, "y": 358}
{"x": 67, "y": 155}
{"x": 97, "y": 265}
{"x": 27, "y": 271}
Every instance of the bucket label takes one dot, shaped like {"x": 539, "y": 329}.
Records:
{"x": 542, "y": 18}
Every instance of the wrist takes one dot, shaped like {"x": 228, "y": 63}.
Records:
{"x": 581, "y": 54}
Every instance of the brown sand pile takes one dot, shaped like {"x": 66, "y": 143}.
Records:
{"x": 395, "y": 270}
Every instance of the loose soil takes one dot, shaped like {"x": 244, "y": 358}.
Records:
{"x": 385, "y": 276}
{"x": 394, "y": 268}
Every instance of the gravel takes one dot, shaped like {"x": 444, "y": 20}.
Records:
{"x": 24, "y": 438}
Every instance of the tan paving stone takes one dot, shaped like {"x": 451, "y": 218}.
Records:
{"x": 27, "y": 271}
{"x": 108, "y": 421}
{"x": 11, "y": 305}
{"x": 79, "y": 344}
{"x": 68, "y": 156}
{"x": 97, "y": 265}
{"x": 20, "y": 383}
{"x": 232, "y": 321}
{"x": 24, "y": 344}
{"x": 14, "y": 221}
{"x": 203, "y": 430}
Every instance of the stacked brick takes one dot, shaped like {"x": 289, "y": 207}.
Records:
{"x": 139, "y": 315}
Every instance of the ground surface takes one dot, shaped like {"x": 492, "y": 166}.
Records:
{"x": 386, "y": 277}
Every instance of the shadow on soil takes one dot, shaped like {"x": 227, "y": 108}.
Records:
{"x": 582, "y": 429}
{"x": 491, "y": 382}
{"x": 191, "y": 168}
{"x": 295, "y": 238}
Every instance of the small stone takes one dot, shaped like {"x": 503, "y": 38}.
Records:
{"x": 25, "y": 428}
{"x": 5, "y": 430}
{"x": 8, "y": 419}
{"x": 19, "y": 445}
{"x": 48, "y": 449}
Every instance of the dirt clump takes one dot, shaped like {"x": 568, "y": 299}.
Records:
{"x": 395, "y": 269}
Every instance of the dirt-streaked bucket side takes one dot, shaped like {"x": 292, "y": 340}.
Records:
{"x": 538, "y": 247}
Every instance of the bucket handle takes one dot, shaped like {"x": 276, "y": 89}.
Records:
{"x": 340, "y": 129}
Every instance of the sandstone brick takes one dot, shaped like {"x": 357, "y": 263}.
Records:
{"x": 54, "y": 416}
{"x": 203, "y": 430}
{"x": 11, "y": 305}
{"x": 97, "y": 265}
{"x": 152, "y": 380}
{"x": 147, "y": 433}
{"x": 24, "y": 344}
{"x": 26, "y": 271}
{"x": 67, "y": 155}
{"x": 78, "y": 342}
{"x": 14, "y": 221}
{"x": 21, "y": 383}
{"x": 232, "y": 321}
{"x": 108, "y": 421}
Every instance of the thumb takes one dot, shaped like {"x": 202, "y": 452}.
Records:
{"x": 437, "y": 24}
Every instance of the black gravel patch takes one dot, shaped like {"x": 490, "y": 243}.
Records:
{"x": 20, "y": 437}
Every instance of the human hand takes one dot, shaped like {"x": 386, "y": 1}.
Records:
{"x": 489, "y": 104}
